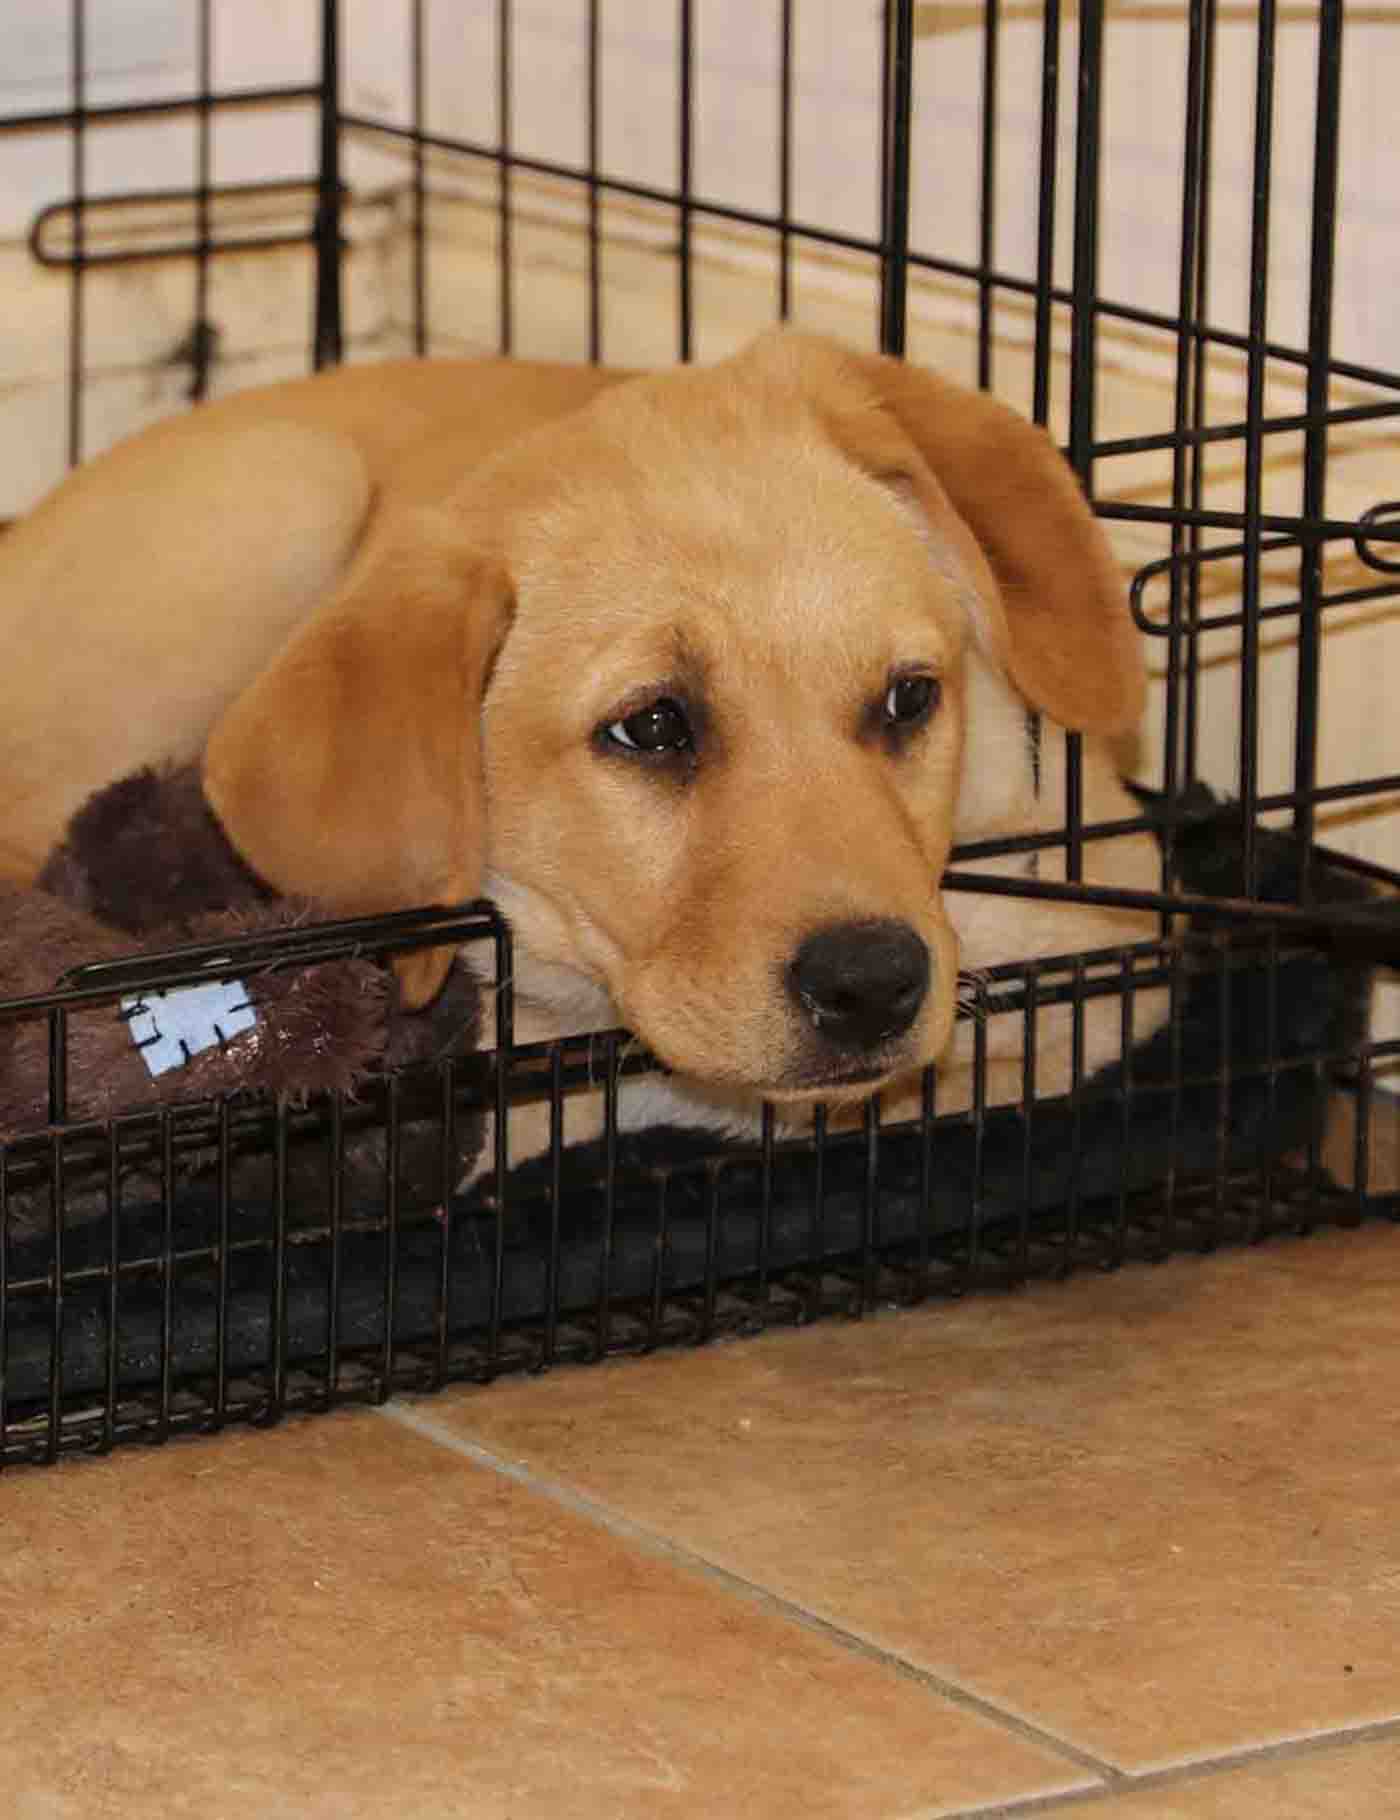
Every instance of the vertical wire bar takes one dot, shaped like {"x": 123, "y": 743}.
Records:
{"x": 686, "y": 153}
{"x": 329, "y": 343}
{"x": 928, "y": 1111}
{"x": 1199, "y": 408}
{"x": 78, "y": 168}
{"x": 1174, "y": 1070}
{"x": 1078, "y": 978}
{"x": 660, "y": 1255}
{"x": 1263, "y": 1219}
{"x": 4, "y": 1299}
{"x": 59, "y": 1193}
{"x": 392, "y": 1148}
{"x": 894, "y": 189}
{"x": 336, "y": 1185}
{"x": 1254, "y": 439}
{"x": 785, "y": 162}
{"x": 1321, "y": 266}
{"x": 987, "y": 198}
{"x": 594, "y": 130}
{"x": 816, "y": 1227}
{"x": 201, "y": 340}
{"x": 1083, "y": 344}
{"x": 1045, "y": 213}
{"x": 1029, "y": 1051}
{"x": 1188, "y": 273}
{"x": 277, "y": 1330}
{"x": 973, "y": 1261}
{"x": 221, "y": 1295}
{"x": 114, "y": 1202}
{"x": 420, "y": 189}
{"x": 1127, "y": 989}
{"x": 167, "y": 1270}
{"x": 1224, "y": 1077}
{"x": 1360, "y": 1164}
{"x": 58, "y": 1066}
{"x": 556, "y": 1197}
{"x": 870, "y": 1205}
{"x": 504, "y": 245}
{"x": 442, "y": 1289}
{"x": 609, "y": 1196}
{"x": 765, "y": 1206}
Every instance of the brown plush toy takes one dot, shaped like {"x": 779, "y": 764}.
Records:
{"x": 144, "y": 865}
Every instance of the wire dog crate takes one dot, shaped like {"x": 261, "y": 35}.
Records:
{"x": 231, "y": 1258}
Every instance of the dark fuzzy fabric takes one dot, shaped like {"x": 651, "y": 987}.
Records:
{"x": 146, "y": 853}
{"x": 148, "y": 857}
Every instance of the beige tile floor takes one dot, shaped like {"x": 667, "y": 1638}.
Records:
{"x": 1127, "y": 1545}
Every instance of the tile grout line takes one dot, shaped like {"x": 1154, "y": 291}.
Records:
{"x": 1107, "y": 1777}
{"x": 1178, "y": 1775}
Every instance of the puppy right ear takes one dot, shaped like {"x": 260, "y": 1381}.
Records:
{"x": 350, "y": 771}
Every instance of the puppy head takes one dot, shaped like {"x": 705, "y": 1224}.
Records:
{"x": 720, "y": 754}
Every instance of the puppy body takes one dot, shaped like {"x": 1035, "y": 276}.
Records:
{"x": 700, "y": 674}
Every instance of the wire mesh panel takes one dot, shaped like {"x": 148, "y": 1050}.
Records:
{"x": 1138, "y": 225}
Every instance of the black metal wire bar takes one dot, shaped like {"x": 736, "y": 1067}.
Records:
{"x": 58, "y": 1285}
{"x": 1322, "y": 268}
{"x": 442, "y": 1288}
{"x": 556, "y": 1204}
{"x": 277, "y": 1311}
{"x": 1188, "y": 437}
{"x": 870, "y": 1205}
{"x": 1188, "y": 272}
{"x": 335, "y": 1223}
{"x": 167, "y": 1269}
{"x": 1045, "y": 209}
{"x": 417, "y": 50}
{"x": 1030, "y": 1030}
{"x": 393, "y": 1149}
{"x": 328, "y": 339}
{"x": 505, "y": 271}
{"x": 593, "y": 128}
{"x": 685, "y": 152}
{"x": 897, "y": 137}
{"x": 605, "y": 1250}
{"x": 202, "y": 335}
{"x": 221, "y": 1287}
{"x": 77, "y": 152}
{"x": 987, "y": 193}
{"x": 4, "y": 1300}
{"x": 1363, "y": 932}
{"x": 1084, "y": 320}
{"x": 1084, "y": 343}
{"x": 112, "y": 1349}
{"x": 1260, "y": 211}
{"x": 68, "y": 119}
{"x": 1201, "y": 345}
{"x": 785, "y": 102}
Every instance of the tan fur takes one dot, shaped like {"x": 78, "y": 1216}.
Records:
{"x": 403, "y": 669}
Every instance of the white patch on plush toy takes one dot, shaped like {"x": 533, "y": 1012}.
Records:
{"x": 169, "y": 1027}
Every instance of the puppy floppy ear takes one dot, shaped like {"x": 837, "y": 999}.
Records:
{"x": 350, "y": 771}
{"x": 1067, "y": 638}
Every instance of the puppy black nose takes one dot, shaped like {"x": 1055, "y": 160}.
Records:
{"x": 861, "y": 983}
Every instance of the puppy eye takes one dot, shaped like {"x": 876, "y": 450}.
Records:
{"x": 660, "y": 726}
{"x": 911, "y": 700}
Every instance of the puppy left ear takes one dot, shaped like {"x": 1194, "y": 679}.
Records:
{"x": 1068, "y": 640}
{"x": 350, "y": 770}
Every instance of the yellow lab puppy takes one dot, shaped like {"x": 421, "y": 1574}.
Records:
{"x": 699, "y": 674}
